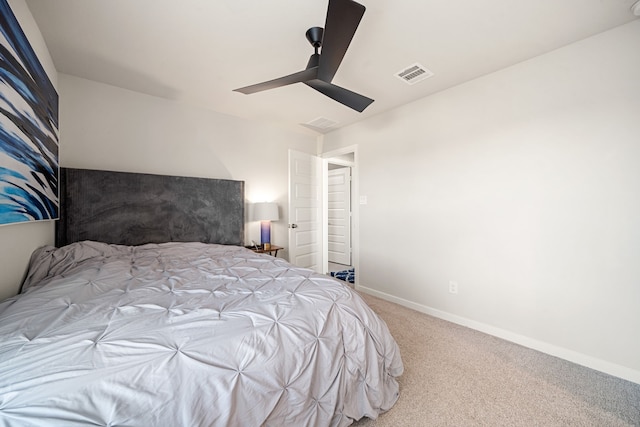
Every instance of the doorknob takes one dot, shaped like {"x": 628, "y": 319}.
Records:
{"x": 293, "y": 225}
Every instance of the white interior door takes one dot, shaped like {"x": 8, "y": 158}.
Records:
{"x": 347, "y": 157}
{"x": 305, "y": 210}
{"x": 339, "y": 216}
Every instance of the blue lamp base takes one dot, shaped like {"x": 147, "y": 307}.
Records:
{"x": 265, "y": 234}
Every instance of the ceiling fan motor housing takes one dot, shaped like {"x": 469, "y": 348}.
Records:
{"x": 314, "y": 61}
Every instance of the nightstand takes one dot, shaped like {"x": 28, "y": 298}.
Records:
{"x": 259, "y": 250}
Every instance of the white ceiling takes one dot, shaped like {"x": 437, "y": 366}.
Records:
{"x": 198, "y": 51}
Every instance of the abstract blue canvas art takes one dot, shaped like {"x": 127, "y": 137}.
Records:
{"x": 29, "y": 168}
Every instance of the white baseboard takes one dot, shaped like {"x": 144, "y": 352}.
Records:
{"x": 553, "y": 350}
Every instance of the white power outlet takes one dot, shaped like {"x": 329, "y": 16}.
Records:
{"x": 453, "y": 287}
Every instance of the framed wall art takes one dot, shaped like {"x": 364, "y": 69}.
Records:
{"x": 29, "y": 165}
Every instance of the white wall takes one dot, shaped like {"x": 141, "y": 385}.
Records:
{"x": 18, "y": 241}
{"x": 104, "y": 127}
{"x": 523, "y": 186}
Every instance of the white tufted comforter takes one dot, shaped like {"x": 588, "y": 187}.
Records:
{"x": 188, "y": 334}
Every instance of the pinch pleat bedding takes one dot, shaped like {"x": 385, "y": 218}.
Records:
{"x": 189, "y": 334}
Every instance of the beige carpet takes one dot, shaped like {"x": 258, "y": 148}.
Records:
{"x": 455, "y": 376}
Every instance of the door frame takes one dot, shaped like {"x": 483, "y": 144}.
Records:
{"x": 333, "y": 157}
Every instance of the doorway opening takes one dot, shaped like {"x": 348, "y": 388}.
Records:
{"x": 340, "y": 238}
{"x": 338, "y": 219}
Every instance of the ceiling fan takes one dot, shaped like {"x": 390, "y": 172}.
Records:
{"x": 343, "y": 18}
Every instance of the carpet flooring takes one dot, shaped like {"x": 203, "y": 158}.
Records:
{"x": 455, "y": 376}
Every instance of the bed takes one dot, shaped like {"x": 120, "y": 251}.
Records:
{"x": 180, "y": 332}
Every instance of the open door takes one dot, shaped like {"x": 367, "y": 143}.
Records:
{"x": 339, "y": 215}
{"x": 305, "y": 210}
{"x": 346, "y": 157}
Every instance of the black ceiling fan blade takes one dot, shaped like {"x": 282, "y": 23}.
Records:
{"x": 343, "y": 18}
{"x": 344, "y": 96}
{"x": 300, "y": 76}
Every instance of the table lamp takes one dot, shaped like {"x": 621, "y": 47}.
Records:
{"x": 265, "y": 213}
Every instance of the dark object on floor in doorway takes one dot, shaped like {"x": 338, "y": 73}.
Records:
{"x": 346, "y": 275}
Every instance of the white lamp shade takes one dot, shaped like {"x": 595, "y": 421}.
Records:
{"x": 265, "y": 211}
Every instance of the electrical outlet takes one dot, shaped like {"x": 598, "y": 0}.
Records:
{"x": 453, "y": 287}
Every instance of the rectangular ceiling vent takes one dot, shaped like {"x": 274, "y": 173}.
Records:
{"x": 414, "y": 74}
{"x": 321, "y": 124}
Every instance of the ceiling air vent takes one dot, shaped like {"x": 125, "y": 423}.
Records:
{"x": 413, "y": 74}
{"x": 321, "y": 124}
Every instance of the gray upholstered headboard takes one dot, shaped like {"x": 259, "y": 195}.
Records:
{"x": 133, "y": 209}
